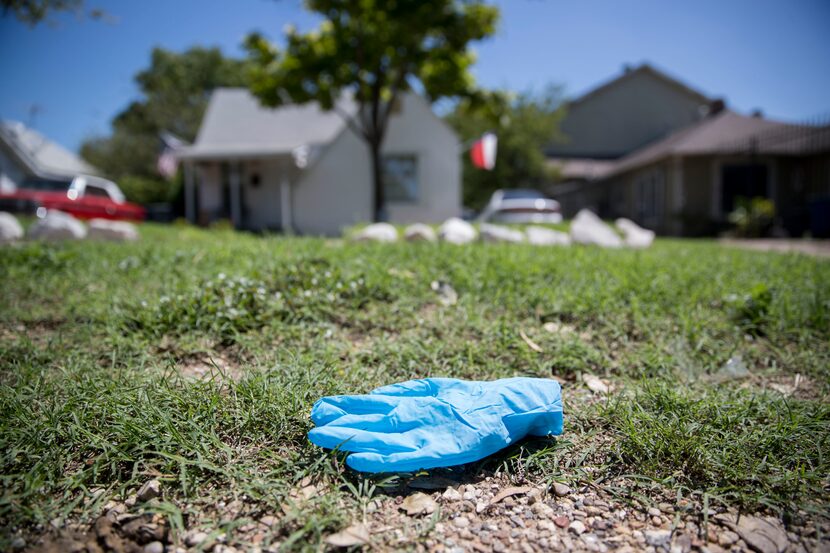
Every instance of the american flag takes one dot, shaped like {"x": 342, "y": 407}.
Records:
{"x": 167, "y": 163}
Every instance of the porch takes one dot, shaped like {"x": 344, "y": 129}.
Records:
{"x": 252, "y": 192}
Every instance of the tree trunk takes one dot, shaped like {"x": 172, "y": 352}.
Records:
{"x": 377, "y": 182}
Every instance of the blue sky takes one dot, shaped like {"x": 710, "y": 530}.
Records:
{"x": 773, "y": 55}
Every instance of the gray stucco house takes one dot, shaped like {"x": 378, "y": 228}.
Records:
{"x": 26, "y": 156}
{"x": 299, "y": 168}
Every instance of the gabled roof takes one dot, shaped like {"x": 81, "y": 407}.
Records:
{"x": 729, "y": 132}
{"x": 643, "y": 69}
{"x": 39, "y": 155}
{"x": 237, "y": 125}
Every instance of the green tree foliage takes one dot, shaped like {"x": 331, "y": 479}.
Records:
{"x": 35, "y": 11}
{"x": 373, "y": 50}
{"x": 175, "y": 90}
{"x": 524, "y": 123}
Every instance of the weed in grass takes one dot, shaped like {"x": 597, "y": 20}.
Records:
{"x": 750, "y": 310}
{"x": 227, "y": 306}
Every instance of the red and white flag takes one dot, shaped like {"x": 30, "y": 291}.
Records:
{"x": 483, "y": 152}
{"x": 167, "y": 163}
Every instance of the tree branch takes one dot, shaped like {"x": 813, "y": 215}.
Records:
{"x": 396, "y": 88}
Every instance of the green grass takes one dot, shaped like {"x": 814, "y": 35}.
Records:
{"x": 94, "y": 336}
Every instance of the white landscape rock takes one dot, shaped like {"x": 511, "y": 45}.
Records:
{"x": 377, "y": 232}
{"x": 634, "y": 235}
{"x": 457, "y": 231}
{"x": 498, "y": 233}
{"x": 541, "y": 236}
{"x": 10, "y": 228}
{"x": 57, "y": 225}
{"x": 104, "y": 229}
{"x": 419, "y": 232}
{"x": 587, "y": 228}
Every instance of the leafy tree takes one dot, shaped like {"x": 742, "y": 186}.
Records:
{"x": 524, "y": 123}
{"x": 33, "y": 12}
{"x": 373, "y": 50}
{"x": 175, "y": 91}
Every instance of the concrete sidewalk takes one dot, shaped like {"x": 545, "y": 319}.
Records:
{"x": 820, "y": 248}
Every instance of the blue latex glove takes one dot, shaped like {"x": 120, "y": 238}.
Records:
{"x": 435, "y": 422}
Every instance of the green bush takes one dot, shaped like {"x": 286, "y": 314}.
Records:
{"x": 753, "y": 216}
{"x": 144, "y": 190}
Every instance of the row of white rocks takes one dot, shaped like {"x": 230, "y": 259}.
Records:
{"x": 57, "y": 225}
{"x": 586, "y": 228}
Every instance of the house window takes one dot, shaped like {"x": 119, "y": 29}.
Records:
{"x": 400, "y": 178}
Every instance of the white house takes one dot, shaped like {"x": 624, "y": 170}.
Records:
{"x": 299, "y": 168}
{"x": 26, "y": 156}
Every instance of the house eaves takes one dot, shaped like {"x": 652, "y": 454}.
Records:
{"x": 40, "y": 156}
{"x": 724, "y": 133}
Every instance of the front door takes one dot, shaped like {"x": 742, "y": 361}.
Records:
{"x": 748, "y": 180}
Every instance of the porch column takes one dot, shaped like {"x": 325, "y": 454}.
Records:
{"x": 234, "y": 181}
{"x": 285, "y": 200}
{"x": 189, "y": 193}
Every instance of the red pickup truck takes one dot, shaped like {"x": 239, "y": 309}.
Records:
{"x": 85, "y": 197}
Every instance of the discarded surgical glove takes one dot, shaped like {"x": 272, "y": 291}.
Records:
{"x": 435, "y": 422}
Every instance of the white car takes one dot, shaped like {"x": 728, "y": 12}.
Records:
{"x": 520, "y": 205}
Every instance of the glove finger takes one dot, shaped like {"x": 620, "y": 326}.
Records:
{"x": 352, "y": 439}
{"x": 410, "y": 388}
{"x": 331, "y": 408}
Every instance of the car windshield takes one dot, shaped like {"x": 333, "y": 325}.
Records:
{"x": 522, "y": 194}
{"x": 44, "y": 184}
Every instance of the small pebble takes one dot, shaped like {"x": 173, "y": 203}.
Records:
{"x": 657, "y": 537}
{"x": 195, "y": 538}
{"x": 576, "y": 527}
{"x": 154, "y": 547}
{"x": 451, "y": 495}
{"x": 18, "y": 543}
{"x": 268, "y": 520}
{"x": 461, "y": 522}
{"x": 727, "y": 538}
{"x": 561, "y": 522}
{"x": 560, "y": 489}
{"x": 653, "y": 512}
{"x": 151, "y": 489}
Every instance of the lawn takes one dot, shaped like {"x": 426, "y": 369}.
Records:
{"x": 193, "y": 357}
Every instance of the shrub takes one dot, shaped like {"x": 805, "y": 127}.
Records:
{"x": 753, "y": 216}
{"x": 144, "y": 190}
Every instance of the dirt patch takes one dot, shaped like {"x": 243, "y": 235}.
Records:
{"x": 39, "y": 333}
{"x": 210, "y": 365}
{"x": 123, "y": 533}
{"x": 796, "y": 386}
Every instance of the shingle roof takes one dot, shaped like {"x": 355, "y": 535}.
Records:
{"x": 40, "y": 155}
{"x": 728, "y": 132}
{"x": 235, "y": 124}
{"x": 646, "y": 69}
